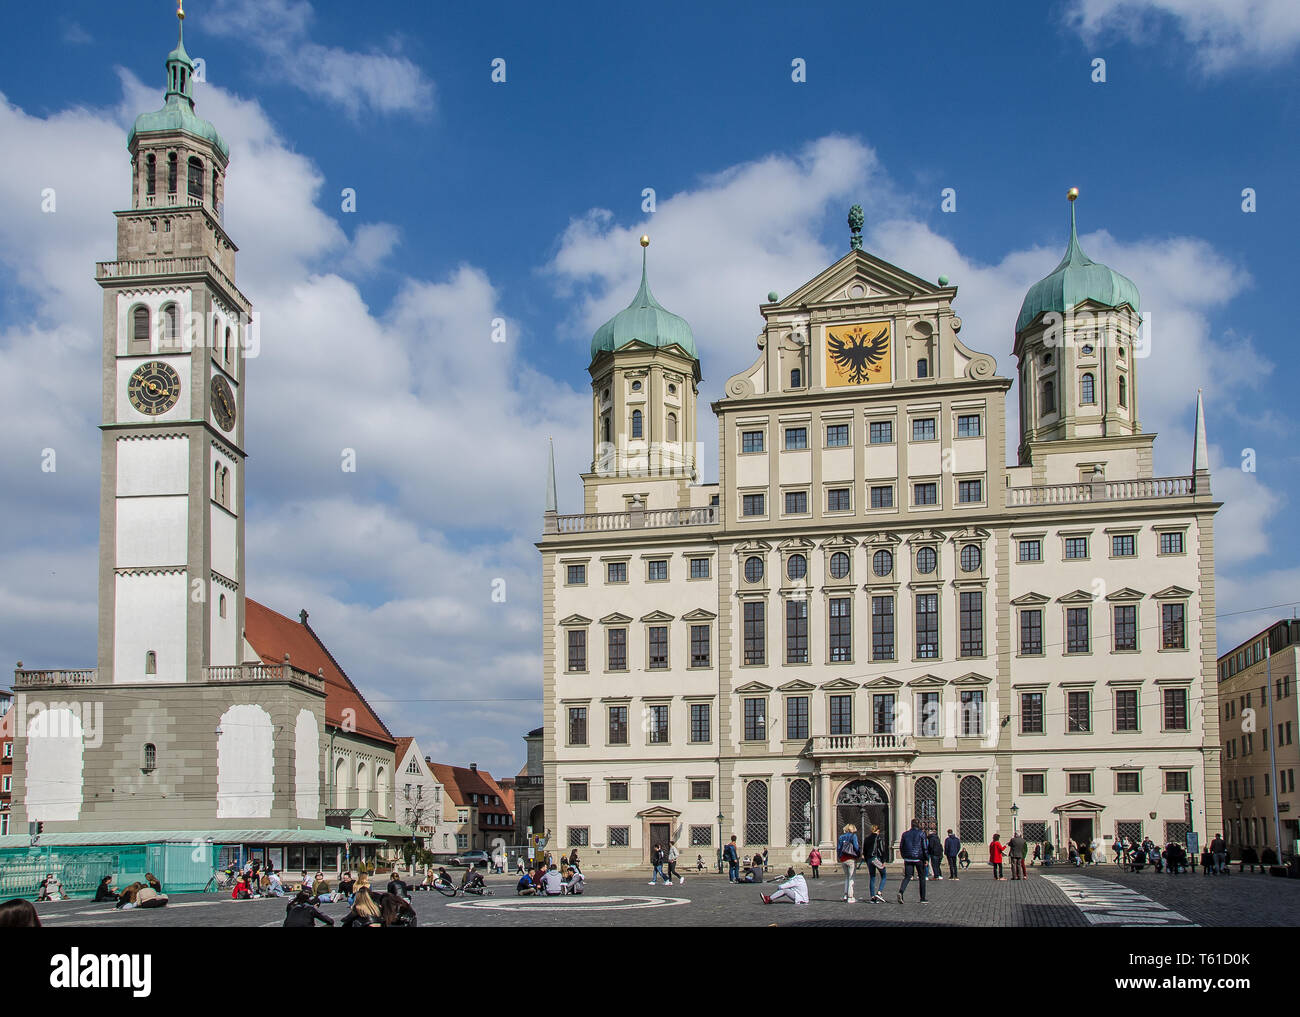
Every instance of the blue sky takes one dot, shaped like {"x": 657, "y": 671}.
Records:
{"x": 523, "y": 199}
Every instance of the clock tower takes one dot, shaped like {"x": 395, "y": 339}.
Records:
{"x": 171, "y": 568}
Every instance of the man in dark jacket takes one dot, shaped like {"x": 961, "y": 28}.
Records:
{"x": 952, "y": 848}
{"x": 1017, "y": 847}
{"x": 914, "y": 849}
{"x": 302, "y": 913}
{"x": 934, "y": 848}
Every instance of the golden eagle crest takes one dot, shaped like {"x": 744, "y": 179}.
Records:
{"x": 859, "y": 352}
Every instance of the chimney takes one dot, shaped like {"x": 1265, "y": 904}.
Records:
{"x": 473, "y": 767}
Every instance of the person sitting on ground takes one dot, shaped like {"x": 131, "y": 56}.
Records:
{"x": 301, "y": 913}
{"x": 395, "y": 911}
{"x": 51, "y": 889}
{"x": 397, "y": 885}
{"x": 552, "y": 884}
{"x": 320, "y": 888}
{"x": 699, "y": 863}
{"x": 105, "y": 892}
{"x": 442, "y": 877}
{"x": 576, "y": 882}
{"x": 525, "y": 887}
{"x": 276, "y": 888}
{"x": 148, "y": 897}
{"x": 126, "y": 899}
{"x": 963, "y": 859}
{"x": 473, "y": 880}
{"x": 304, "y": 883}
{"x": 152, "y": 880}
{"x": 795, "y": 888}
{"x": 240, "y": 892}
{"x": 365, "y": 911}
{"x": 346, "y": 887}
{"x": 19, "y": 914}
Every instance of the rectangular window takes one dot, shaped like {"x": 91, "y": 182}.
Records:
{"x": 882, "y": 713}
{"x": 928, "y": 704}
{"x": 618, "y": 836}
{"x": 751, "y": 505}
{"x": 972, "y": 712}
{"x": 837, "y": 435}
{"x": 841, "y": 715}
{"x": 1175, "y": 709}
{"x": 923, "y": 429}
{"x": 968, "y": 425}
{"x": 616, "y": 572}
{"x": 925, "y": 494}
{"x": 701, "y": 836}
{"x": 1171, "y": 543}
{"x": 1123, "y": 545}
{"x": 1125, "y": 625}
{"x": 1126, "y": 709}
{"x": 700, "y": 646}
{"x": 1030, "y": 550}
{"x": 1031, "y": 631}
{"x": 755, "y": 632}
{"x": 841, "y": 629}
{"x": 796, "y": 503}
{"x": 927, "y": 625}
{"x": 618, "y": 725}
{"x": 882, "y": 628}
{"x": 1031, "y": 713}
{"x": 577, "y": 575}
{"x": 1128, "y": 782}
{"x": 577, "y": 649}
{"x": 882, "y": 496}
{"x": 701, "y": 722}
{"x": 659, "y": 724}
{"x": 1076, "y": 547}
{"x": 1078, "y": 711}
{"x": 972, "y": 624}
{"x": 616, "y": 655}
{"x": 1173, "y": 633}
{"x": 577, "y": 725}
{"x": 751, "y": 441}
{"x": 1076, "y": 630}
{"x": 796, "y": 632}
{"x": 756, "y": 720}
{"x": 796, "y": 718}
{"x": 699, "y": 568}
{"x": 796, "y": 438}
{"x": 882, "y": 432}
{"x": 657, "y": 570}
{"x": 660, "y": 790}
{"x": 657, "y": 637}
{"x": 1080, "y": 783}
{"x": 1033, "y": 783}
{"x": 577, "y": 791}
{"x": 837, "y": 499}
{"x": 970, "y": 490}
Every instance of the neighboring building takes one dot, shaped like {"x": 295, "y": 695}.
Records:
{"x": 6, "y": 760}
{"x": 475, "y": 806}
{"x": 1261, "y": 755}
{"x": 418, "y": 799}
{"x": 530, "y": 802}
{"x": 870, "y": 617}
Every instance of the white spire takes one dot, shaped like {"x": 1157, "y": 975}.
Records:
{"x": 1201, "y": 451}
{"x": 550, "y": 480}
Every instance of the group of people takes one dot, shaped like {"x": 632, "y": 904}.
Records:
{"x": 754, "y": 869}
{"x": 148, "y": 894}
{"x": 367, "y": 908}
{"x": 660, "y": 857}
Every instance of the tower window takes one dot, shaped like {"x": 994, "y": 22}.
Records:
{"x": 796, "y": 378}
{"x": 214, "y": 187}
{"x": 230, "y": 346}
{"x": 170, "y": 318}
{"x": 195, "y": 183}
{"x": 221, "y": 606}
{"x": 671, "y": 429}
{"x": 150, "y": 760}
{"x": 923, "y": 368}
{"x": 1049, "y": 397}
{"x": 604, "y": 429}
{"x": 1123, "y": 392}
{"x": 1087, "y": 395}
{"x": 151, "y": 662}
{"x": 636, "y": 386}
{"x": 672, "y": 389}
{"x": 150, "y": 171}
{"x": 636, "y": 423}
{"x": 140, "y": 330}
{"x": 171, "y": 172}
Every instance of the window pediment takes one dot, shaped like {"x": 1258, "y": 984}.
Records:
{"x": 970, "y": 533}
{"x": 925, "y": 537}
{"x": 798, "y": 685}
{"x": 614, "y": 619}
{"x": 839, "y": 543}
{"x": 657, "y": 616}
{"x": 972, "y": 679}
{"x": 840, "y": 684}
{"x": 926, "y": 681}
{"x": 750, "y": 688}
{"x": 1030, "y": 600}
{"x": 1077, "y": 597}
{"x": 1172, "y": 593}
{"x": 1126, "y": 594}
{"x": 753, "y": 547}
{"x": 573, "y": 620}
{"x": 699, "y": 614}
{"x": 883, "y": 683}
{"x": 796, "y": 544}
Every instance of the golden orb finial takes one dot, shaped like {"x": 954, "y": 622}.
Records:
{"x": 180, "y": 9}
{"x": 645, "y": 239}
{"x": 1072, "y": 193}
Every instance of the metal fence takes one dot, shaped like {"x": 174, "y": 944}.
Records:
{"x": 179, "y": 867}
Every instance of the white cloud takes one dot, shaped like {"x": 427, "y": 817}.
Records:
{"x": 1226, "y": 34}
{"x": 372, "y": 243}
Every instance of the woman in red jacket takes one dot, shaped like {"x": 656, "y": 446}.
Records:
{"x": 996, "y": 848}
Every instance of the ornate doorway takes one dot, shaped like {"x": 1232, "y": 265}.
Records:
{"x": 864, "y": 804}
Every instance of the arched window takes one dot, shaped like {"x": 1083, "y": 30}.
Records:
{"x": 1123, "y": 391}
{"x": 796, "y": 378}
{"x": 225, "y": 487}
{"x": 604, "y": 429}
{"x": 216, "y": 483}
{"x": 214, "y": 187}
{"x": 970, "y": 806}
{"x": 195, "y": 184}
{"x": 1086, "y": 393}
{"x": 171, "y": 173}
{"x": 839, "y": 565}
{"x": 927, "y": 804}
{"x": 670, "y": 431}
{"x": 230, "y": 346}
{"x": 1049, "y": 397}
{"x": 150, "y": 174}
{"x": 221, "y": 606}
{"x": 150, "y": 760}
{"x": 636, "y": 423}
{"x": 140, "y": 330}
{"x": 800, "y": 831}
{"x": 923, "y": 368}
{"x": 171, "y": 326}
{"x": 756, "y": 812}
{"x": 150, "y": 662}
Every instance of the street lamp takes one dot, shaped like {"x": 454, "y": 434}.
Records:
{"x": 1015, "y": 811}
{"x": 719, "y": 841}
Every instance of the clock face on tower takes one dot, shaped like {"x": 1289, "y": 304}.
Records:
{"x": 154, "y": 388}
{"x": 223, "y": 403}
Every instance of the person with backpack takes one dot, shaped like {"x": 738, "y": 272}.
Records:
{"x": 731, "y": 855}
{"x": 875, "y": 852}
{"x": 914, "y": 849}
{"x": 848, "y": 851}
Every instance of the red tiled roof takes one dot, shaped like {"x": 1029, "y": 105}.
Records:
{"x": 461, "y": 782}
{"x": 399, "y": 753}
{"x": 272, "y": 635}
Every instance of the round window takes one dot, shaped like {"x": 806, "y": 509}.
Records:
{"x": 1087, "y": 350}
{"x": 753, "y": 569}
{"x": 970, "y": 558}
{"x": 882, "y": 563}
{"x": 672, "y": 389}
{"x": 796, "y": 567}
{"x": 839, "y": 565}
{"x": 636, "y": 386}
{"x": 926, "y": 561}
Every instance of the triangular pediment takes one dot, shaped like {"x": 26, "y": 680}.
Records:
{"x": 971, "y": 679}
{"x": 839, "y": 543}
{"x": 753, "y": 547}
{"x": 575, "y": 619}
{"x": 883, "y": 682}
{"x": 796, "y": 544}
{"x": 657, "y": 616}
{"x": 658, "y": 812}
{"x": 970, "y": 533}
{"x": 925, "y": 537}
{"x": 699, "y": 614}
{"x": 926, "y": 681}
{"x": 882, "y": 537}
{"x": 1172, "y": 593}
{"x": 1127, "y": 593}
{"x": 615, "y": 619}
{"x": 1077, "y": 597}
{"x": 1030, "y": 600}
{"x": 839, "y": 684}
{"x": 876, "y": 278}
{"x": 754, "y": 687}
{"x": 798, "y": 685}
{"x": 1079, "y": 805}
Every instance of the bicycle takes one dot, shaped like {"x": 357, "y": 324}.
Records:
{"x": 452, "y": 890}
{"x": 222, "y": 879}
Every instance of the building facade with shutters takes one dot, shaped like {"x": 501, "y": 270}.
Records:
{"x": 871, "y": 617}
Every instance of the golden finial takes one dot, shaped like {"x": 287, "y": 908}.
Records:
{"x": 645, "y": 239}
{"x": 1072, "y": 193}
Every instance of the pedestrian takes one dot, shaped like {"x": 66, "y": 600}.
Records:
{"x": 848, "y": 850}
{"x": 934, "y": 847}
{"x": 731, "y": 855}
{"x": 1038, "y": 854}
{"x": 1219, "y": 851}
{"x": 1017, "y": 846}
{"x": 794, "y": 889}
{"x": 952, "y": 848}
{"x": 996, "y": 849}
{"x": 657, "y": 858}
{"x": 573, "y": 858}
{"x": 876, "y": 853}
{"x": 672, "y": 865}
{"x": 815, "y": 860}
{"x": 913, "y": 848}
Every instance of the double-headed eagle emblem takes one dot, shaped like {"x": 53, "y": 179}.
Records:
{"x": 860, "y": 351}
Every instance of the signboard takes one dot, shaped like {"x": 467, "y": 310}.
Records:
{"x": 1193, "y": 848}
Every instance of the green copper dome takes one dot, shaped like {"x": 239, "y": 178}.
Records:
{"x": 1076, "y": 279}
{"x": 644, "y": 320}
{"x": 178, "y": 113}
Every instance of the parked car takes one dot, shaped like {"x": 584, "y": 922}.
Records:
{"x": 472, "y": 859}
